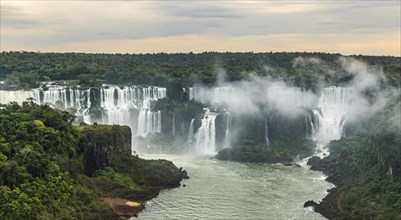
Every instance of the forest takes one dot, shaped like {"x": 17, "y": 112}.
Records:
{"x": 46, "y": 147}
{"x": 51, "y": 168}
{"x": 307, "y": 70}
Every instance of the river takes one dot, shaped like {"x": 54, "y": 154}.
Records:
{"x": 230, "y": 190}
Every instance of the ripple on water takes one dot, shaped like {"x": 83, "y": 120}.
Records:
{"x": 230, "y": 190}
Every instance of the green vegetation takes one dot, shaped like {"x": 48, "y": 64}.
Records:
{"x": 178, "y": 70}
{"x": 366, "y": 168}
{"x": 49, "y": 169}
{"x": 284, "y": 151}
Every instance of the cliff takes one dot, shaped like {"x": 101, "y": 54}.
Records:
{"x": 51, "y": 169}
{"x": 102, "y": 144}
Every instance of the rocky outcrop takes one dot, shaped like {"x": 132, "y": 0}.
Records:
{"x": 101, "y": 144}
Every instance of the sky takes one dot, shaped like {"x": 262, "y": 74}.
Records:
{"x": 347, "y": 27}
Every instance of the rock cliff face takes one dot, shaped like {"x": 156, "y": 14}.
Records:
{"x": 102, "y": 144}
{"x": 106, "y": 153}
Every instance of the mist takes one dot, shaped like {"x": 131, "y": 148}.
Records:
{"x": 368, "y": 98}
{"x": 255, "y": 95}
{"x": 258, "y": 94}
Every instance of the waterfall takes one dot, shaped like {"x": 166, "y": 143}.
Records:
{"x": 173, "y": 132}
{"x": 310, "y": 125}
{"x": 148, "y": 122}
{"x": 119, "y": 105}
{"x": 306, "y": 126}
{"x": 191, "y": 93}
{"x": 73, "y": 100}
{"x": 191, "y": 131}
{"x": 333, "y": 106}
{"x": 206, "y": 134}
{"x": 227, "y": 135}
{"x": 267, "y": 133}
{"x": 14, "y": 96}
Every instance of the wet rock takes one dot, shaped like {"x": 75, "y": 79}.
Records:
{"x": 314, "y": 162}
{"x": 310, "y": 203}
{"x": 183, "y": 174}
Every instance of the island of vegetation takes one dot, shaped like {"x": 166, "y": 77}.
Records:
{"x": 52, "y": 169}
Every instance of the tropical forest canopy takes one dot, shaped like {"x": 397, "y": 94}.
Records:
{"x": 26, "y": 69}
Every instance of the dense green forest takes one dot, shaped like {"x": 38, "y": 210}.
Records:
{"x": 52, "y": 169}
{"x": 44, "y": 148}
{"x": 27, "y": 69}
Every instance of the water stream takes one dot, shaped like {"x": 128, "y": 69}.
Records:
{"x": 231, "y": 190}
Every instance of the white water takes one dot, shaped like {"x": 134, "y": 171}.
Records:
{"x": 206, "y": 134}
{"x": 331, "y": 113}
{"x": 148, "y": 122}
{"x": 191, "y": 131}
{"x": 120, "y": 105}
{"x": 227, "y": 135}
{"x": 173, "y": 133}
{"x": 62, "y": 98}
{"x": 267, "y": 133}
{"x": 191, "y": 93}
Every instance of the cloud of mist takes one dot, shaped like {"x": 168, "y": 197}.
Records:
{"x": 364, "y": 77}
{"x": 368, "y": 98}
{"x": 301, "y": 61}
{"x": 257, "y": 94}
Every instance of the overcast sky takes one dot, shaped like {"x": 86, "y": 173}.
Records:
{"x": 347, "y": 27}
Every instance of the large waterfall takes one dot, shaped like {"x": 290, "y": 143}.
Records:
{"x": 128, "y": 105}
{"x": 73, "y": 100}
{"x": 121, "y": 106}
{"x": 331, "y": 113}
{"x": 333, "y": 107}
{"x": 206, "y": 134}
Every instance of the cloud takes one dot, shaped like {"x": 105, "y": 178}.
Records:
{"x": 325, "y": 26}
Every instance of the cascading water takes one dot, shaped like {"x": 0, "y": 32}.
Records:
{"x": 191, "y": 93}
{"x": 14, "y": 96}
{"x": 227, "y": 135}
{"x": 206, "y": 134}
{"x": 267, "y": 133}
{"x": 332, "y": 109}
{"x": 118, "y": 105}
{"x": 148, "y": 122}
{"x": 191, "y": 131}
{"x": 173, "y": 132}
{"x": 73, "y": 100}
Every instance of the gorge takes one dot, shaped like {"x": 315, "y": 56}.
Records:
{"x": 272, "y": 125}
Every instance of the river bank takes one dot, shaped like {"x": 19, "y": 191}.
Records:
{"x": 364, "y": 190}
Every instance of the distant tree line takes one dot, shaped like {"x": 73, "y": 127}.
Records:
{"x": 26, "y": 69}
